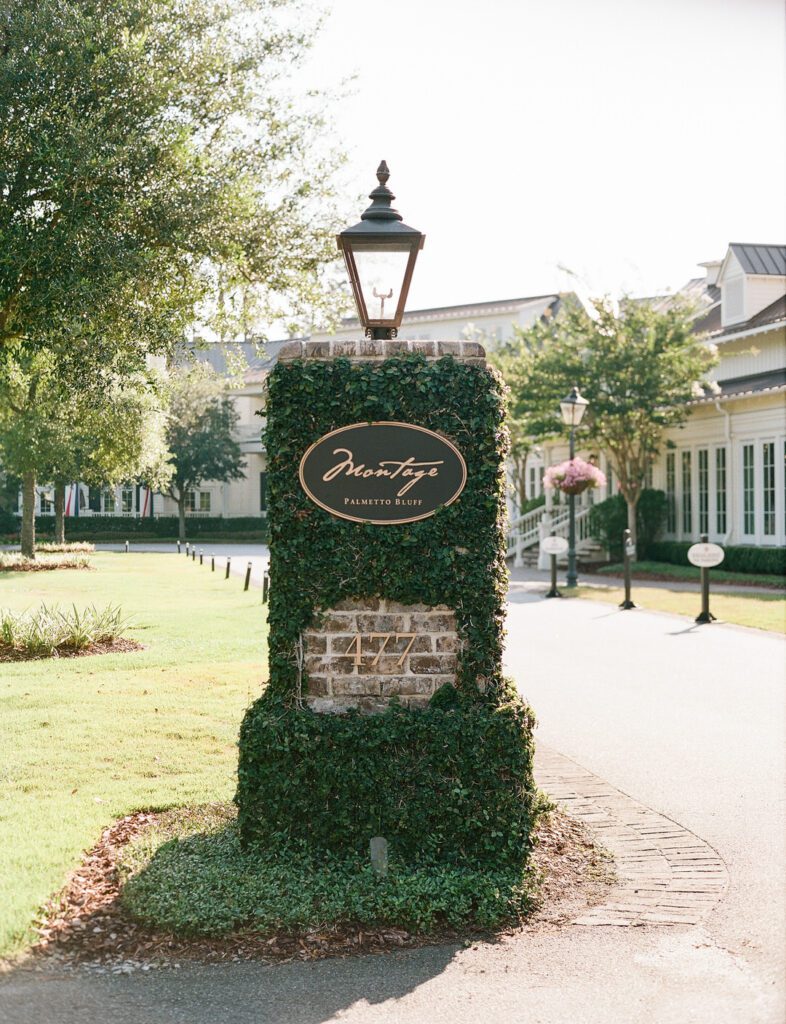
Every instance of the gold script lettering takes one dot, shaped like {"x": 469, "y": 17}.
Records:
{"x": 408, "y": 469}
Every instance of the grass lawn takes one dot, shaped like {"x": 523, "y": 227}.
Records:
{"x": 690, "y": 574}
{"x": 762, "y": 611}
{"x": 87, "y": 740}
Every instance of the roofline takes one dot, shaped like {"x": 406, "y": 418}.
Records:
{"x": 722, "y": 337}
{"x": 458, "y": 308}
{"x": 712, "y": 399}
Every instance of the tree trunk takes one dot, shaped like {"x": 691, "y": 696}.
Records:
{"x": 59, "y": 512}
{"x": 181, "y": 512}
{"x": 632, "y": 505}
{"x": 28, "y": 514}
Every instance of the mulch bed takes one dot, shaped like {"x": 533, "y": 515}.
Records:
{"x": 110, "y": 647}
{"x": 40, "y": 566}
{"x": 84, "y": 924}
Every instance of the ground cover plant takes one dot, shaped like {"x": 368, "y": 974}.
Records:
{"x": 47, "y": 631}
{"x": 192, "y": 877}
{"x": 760, "y": 611}
{"x": 691, "y": 574}
{"x": 69, "y": 547}
{"x": 88, "y": 740}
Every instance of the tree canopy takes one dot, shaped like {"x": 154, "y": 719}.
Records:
{"x": 149, "y": 150}
{"x": 638, "y": 366}
{"x": 200, "y": 434}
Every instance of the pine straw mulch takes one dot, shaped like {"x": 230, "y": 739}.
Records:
{"x": 120, "y": 644}
{"x": 45, "y": 564}
{"x": 85, "y": 924}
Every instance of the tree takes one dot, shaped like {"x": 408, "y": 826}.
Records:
{"x": 202, "y": 420}
{"x": 639, "y": 368}
{"x": 148, "y": 150}
{"x": 55, "y": 435}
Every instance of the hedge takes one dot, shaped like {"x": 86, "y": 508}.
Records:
{"x": 770, "y": 561}
{"x": 448, "y": 783}
{"x": 609, "y": 520}
{"x": 166, "y": 527}
{"x": 444, "y": 785}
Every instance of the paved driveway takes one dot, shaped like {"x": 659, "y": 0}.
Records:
{"x": 688, "y": 721}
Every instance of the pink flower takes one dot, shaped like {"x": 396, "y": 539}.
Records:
{"x": 573, "y": 476}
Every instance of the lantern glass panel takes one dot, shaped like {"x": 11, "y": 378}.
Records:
{"x": 381, "y": 275}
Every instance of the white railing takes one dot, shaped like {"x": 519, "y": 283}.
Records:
{"x": 527, "y": 531}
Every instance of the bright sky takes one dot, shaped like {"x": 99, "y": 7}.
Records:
{"x": 626, "y": 140}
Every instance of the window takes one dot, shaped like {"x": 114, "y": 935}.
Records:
{"x": 687, "y": 497}
{"x": 263, "y": 492}
{"x": 126, "y": 499}
{"x": 191, "y": 500}
{"x": 609, "y": 480}
{"x": 109, "y": 500}
{"x": 671, "y": 492}
{"x": 47, "y": 507}
{"x": 648, "y": 477}
{"x": 704, "y": 491}
{"x": 748, "y": 497}
{"x": 204, "y": 501}
{"x": 768, "y": 487}
{"x": 720, "y": 490}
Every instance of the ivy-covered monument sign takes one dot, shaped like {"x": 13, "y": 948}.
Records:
{"x": 386, "y": 712}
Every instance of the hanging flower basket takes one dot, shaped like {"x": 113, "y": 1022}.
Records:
{"x": 573, "y": 477}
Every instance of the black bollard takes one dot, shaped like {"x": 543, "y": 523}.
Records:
{"x": 554, "y": 592}
{"x": 187, "y": 547}
{"x": 178, "y": 547}
{"x": 212, "y": 563}
{"x": 629, "y": 550}
{"x": 226, "y": 577}
{"x": 126, "y": 547}
{"x": 201, "y": 556}
{"x": 705, "y": 616}
{"x": 193, "y": 553}
{"x": 265, "y": 586}
{"x": 248, "y": 577}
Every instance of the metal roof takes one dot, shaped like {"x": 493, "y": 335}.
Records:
{"x": 760, "y": 259}
{"x": 771, "y": 315}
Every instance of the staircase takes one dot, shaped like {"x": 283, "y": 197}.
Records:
{"x": 525, "y": 533}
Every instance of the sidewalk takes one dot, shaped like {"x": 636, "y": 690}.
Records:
{"x": 543, "y": 577}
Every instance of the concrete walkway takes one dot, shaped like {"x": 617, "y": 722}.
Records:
{"x": 671, "y": 739}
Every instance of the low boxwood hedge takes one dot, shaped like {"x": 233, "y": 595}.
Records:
{"x": 741, "y": 558}
{"x": 128, "y": 527}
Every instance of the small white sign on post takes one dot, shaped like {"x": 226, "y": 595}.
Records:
{"x": 630, "y": 549}
{"x": 705, "y": 556}
{"x": 554, "y": 545}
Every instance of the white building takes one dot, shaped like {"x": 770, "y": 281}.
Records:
{"x": 723, "y": 471}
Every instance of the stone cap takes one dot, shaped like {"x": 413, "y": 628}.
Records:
{"x": 371, "y": 350}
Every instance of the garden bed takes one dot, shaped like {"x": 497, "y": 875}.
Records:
{"x": 12, "y": 561}
{"x": 117, "y": 646}
{"x": 89, "y": 921}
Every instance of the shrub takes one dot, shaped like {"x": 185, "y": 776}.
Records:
{"x": 747, "y": 559}
{"x": 165, "y": 527}
{"x": 15, "y": 562}
{"x": 449, "y": 784}
{"x": 609, "y": 520}
{"x": 201, "y": 882}
{"x": 49, "y": 631}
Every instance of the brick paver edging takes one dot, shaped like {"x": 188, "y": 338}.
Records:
{"x": 665, "y": 874}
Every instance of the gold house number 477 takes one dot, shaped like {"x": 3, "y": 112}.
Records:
{"x": 354, "y": 649}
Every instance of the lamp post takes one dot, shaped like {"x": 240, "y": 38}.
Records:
{"x": 380, "y": 253}
{"x": 572, "y": 409}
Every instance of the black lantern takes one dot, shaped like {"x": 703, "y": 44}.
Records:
{"x": 572, "y": 408}
{"x": 380, "y": 254}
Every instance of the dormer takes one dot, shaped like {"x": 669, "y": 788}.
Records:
{"x": 751, "y": 277}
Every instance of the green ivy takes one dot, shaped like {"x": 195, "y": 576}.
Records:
{"x": 443, "y": 785}
{"x": 451, "y": 783}
{"x": 455, "y": 557}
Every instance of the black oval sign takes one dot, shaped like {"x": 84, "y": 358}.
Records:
{"x": 382, "y": 473}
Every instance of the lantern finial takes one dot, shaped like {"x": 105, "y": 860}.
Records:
{"x": 381, "y": 198}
